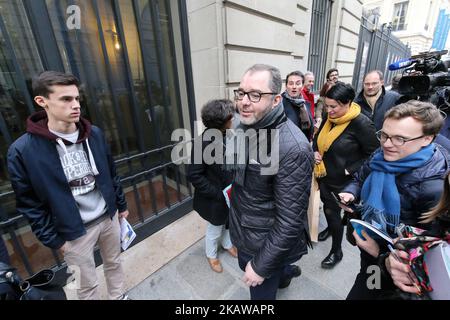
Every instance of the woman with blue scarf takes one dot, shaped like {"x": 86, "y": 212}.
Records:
{"x": 401, "y": 181}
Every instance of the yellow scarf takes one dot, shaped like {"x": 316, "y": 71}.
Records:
{"x": 329, "y": 133}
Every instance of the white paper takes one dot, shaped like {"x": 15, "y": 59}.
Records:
{"x": 226, "y": 194}
{"x": 127, "y": 233}
{"x": 438, "y": 272}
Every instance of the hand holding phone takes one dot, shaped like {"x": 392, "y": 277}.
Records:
{"x": 349, "y": 207}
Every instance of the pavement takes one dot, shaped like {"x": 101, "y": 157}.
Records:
{"x": 188, "y": 277}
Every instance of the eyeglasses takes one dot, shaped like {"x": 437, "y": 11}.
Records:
{"x": 395, "y": 140}
{"x": 253, "y": 96}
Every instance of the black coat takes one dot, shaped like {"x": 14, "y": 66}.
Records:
{"x": 348, "y": 151}
{"x": 419, "y": 189}
{"x": 293, "y": 113}
{"x": 268, "y": 216}
{"x": 209, "y": 181}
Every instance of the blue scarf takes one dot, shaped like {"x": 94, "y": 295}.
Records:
{"x": 381, "y": 200}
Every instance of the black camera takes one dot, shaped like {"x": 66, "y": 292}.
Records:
{"x": 425, "y": 75}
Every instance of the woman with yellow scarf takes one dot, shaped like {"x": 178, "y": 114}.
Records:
{"x": 344, "y": 141}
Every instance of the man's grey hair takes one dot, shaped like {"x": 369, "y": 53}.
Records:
{"x": 275, "y": 81}
{"x": 378, "y": 72}
{"x": 309, "y": 73}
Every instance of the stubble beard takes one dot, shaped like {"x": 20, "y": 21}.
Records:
{"x": 256, "y": 118}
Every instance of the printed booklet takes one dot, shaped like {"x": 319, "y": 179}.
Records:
{"x": 127, "y": 233}
{"x": 371, "y": 230}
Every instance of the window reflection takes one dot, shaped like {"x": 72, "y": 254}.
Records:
{"x": 83, "y": 56}
{"x": 15, "y": 85}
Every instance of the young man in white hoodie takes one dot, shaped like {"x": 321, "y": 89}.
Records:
{"x": 65, "y": 182}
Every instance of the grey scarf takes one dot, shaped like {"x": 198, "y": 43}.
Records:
{"x": 305, "y": 121}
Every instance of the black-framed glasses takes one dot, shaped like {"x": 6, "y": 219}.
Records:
{"x": 253, "y": 96}
{"x": 395, "y": 140}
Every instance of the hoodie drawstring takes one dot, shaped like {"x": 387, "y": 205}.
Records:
{"x": 91, "y": 159}
{"x": 61, "y": 144}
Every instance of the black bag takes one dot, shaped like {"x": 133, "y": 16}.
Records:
{"x": 40, "y": 286}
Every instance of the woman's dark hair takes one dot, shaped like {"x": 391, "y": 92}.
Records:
{"x": 341, "y": 92}
{"x": 216, "y": 113}
{"x": 324, "y": 89}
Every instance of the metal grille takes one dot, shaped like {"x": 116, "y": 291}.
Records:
{"x": 318, "y": 44}
{"x": 377, "y": 49}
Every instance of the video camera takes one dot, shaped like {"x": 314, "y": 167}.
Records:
{"x": 425, "y": 75}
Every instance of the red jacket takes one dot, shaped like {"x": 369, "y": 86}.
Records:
{"x": 309, "y": 96}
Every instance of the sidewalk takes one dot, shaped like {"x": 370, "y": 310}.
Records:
{"x": 171, "y": 265}
{"x": 188, "y": 276}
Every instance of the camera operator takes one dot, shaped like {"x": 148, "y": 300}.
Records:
{"x": 427, "y": 78}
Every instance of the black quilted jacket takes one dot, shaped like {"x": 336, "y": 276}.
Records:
{"x": 268, "y": 216}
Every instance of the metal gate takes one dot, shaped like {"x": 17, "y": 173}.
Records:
{"x": 377, "y": 49}
{"x": 124, "y": 54}
{"x": 318, "y": 44}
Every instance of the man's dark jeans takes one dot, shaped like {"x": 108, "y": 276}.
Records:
{"x": 268, "y": 289}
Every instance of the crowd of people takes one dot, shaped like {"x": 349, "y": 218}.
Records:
{"x": 362, "y": 148}
{"x": 367, "y": 148}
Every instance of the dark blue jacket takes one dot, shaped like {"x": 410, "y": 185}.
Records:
{"x": 43, "y": 194}
{"x": 293, "y": 113}
{"x": 387, "y": 100}
{"x": 4, "y": 256}
{"x": 419, "y": 189}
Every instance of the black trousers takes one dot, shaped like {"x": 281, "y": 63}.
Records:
{"x": 268, "y": 289}
{"x": 332, "y": 214}
{"x": 362, "y": 288}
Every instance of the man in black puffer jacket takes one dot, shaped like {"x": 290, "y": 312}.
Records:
{"x": 269, "y": 199}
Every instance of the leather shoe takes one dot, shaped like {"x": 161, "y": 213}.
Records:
{"x": 215, "y": 265}
{"x": 324, "y": 235}
{"x": 332, "y": 259}
{"x": 296, "y": 272}
{"x": 232, "y": 251}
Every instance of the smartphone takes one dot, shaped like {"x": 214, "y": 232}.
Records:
{"x": 349, "y": 207}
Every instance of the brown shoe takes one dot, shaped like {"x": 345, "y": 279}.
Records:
{"x": 232, "y": 251}
{"x": 215, "y": 265}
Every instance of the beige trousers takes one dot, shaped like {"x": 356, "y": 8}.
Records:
{"x": 79, "y": 255}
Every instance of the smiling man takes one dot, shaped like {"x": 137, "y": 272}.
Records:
{"x": 401, "y": 181}
{"x": 65, "y": 182}
{"x": 268, "y": 214}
